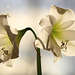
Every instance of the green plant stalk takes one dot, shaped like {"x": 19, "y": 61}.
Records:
{"x": 39, "y": 72}
{"x": 18, "y": 38}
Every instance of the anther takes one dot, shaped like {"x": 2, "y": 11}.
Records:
{"x": 64, "y": 45}
{"x": 5, "y": 52}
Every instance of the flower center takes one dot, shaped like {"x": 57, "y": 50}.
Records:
{"x": 57, "y": 31}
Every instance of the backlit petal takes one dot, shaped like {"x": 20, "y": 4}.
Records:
{"x": 70, "y": 50}
{"x": 10, "y": 62}
{"x": 66, "y": 24}
{"x": 48, "y": 29}
{"x": 14, "y": 30}
{"x": 7, "y": 56}
{"x": 43, "y": 36}
{"x": 69, "y": 15}
{"x": 4, "y": 21}
{"x": 55, "y": 47}
{"x": 52, "y": 19}
{"x": 57, "y": 12}
{"x": 45, "y": 21}
{"x": 56, "y": 59}
{"x": 4, "y": 40}
{"x": 2, "y": 30}
{"x": 9, "y": 33}
{"x": 68, "y": 35}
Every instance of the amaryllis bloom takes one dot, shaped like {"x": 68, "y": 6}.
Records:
{"x": 57, "y": 34}
{"x": 8, "y": 47}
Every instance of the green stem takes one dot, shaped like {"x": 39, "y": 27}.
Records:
{"x": 18, "y": 38}
{"x": 38, "y": 63}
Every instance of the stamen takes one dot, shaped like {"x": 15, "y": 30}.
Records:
{"x": 47, "y": 43}
{"x": 63, "y": 47}
{"x": 5, "y": 52}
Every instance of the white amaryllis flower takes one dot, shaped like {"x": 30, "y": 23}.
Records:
{"x": 8, "y": 46}
{"x": 57, "y": 34}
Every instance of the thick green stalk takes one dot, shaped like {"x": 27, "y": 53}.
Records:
{"x": 18, "y": 38}
{"x": 39, "y": 72}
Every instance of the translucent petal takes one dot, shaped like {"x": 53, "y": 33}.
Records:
{"x": 45, "y": 21}
{"x": 66, "y": 24}
{"x": 52, "y": 19}
{"x": 4, "y": 21}
{"x": 48, "y": 29}
{"x": 7, "y": 55}
{"x": 56, "y": 59}
{"x": 68, "y": 15}
{"x": 9, "y": 33}
{"x": 14, "y": 30}
{"x": 57, "y": 12}
{"x": 68, "y": 35}
{"x": 55, "y": 47}
{"x": 43, "y": 36}
{"x": 70, "y": 50}
{"x": 62, "y": 14}
{"x": 2, "y": 30}
{"x": 10, "y": 62}
{"x": 4, "y": 40}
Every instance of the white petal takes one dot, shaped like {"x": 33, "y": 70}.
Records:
{"x": 66, "y": 24}
{"x": 8, "y": 48}
{"x": 70, "y": 50}
{"x": 68, "y": 35}
{"x": 56, "y": 59}
{"x": 56, "y": 50}
{"x": 54, "y": 47}
{"x": 69, "y": 15}
{"x": 45, "y": 21}
{"x": 9, "y": 33}
{"x": 52, "y": 19}
{"x": 57, "y": 11}
{"x": 48, "y": 29}
{"x": 43, "y": 36}
{"x": 14, "y": 30}
{"x": 4, "y": 20}
{"x": 2, "y": 30}
{"x": 10, "y": 62}
{"x": 4, "y": 40}
{"x": 62, "y": 14}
